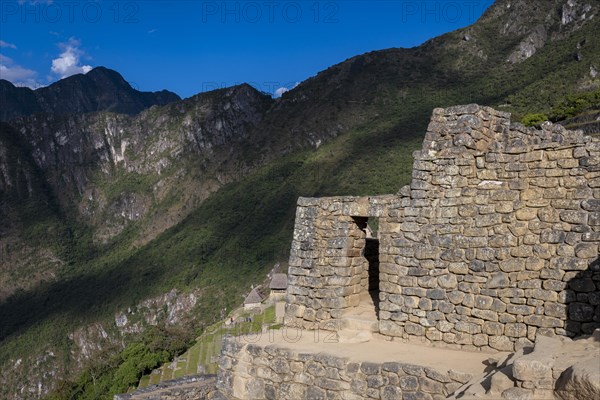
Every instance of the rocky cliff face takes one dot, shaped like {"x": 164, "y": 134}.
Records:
{"x": 106, "y": 171}
{"x": 23, "y": 192}
{"x": 115, "y": 168}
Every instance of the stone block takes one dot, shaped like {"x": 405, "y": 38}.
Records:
{"x": 541, "y": 294}
{"x": 447, "y": 281}
{"x": 459, "y": 268}
{"x": 580, "y": 381}
{"x": 425, "y": 304}
{"x": 369, "y": 368}
{"x": 459, "y": 376}
{"x": 391, "y": 328}
{"x": 534, "y": 263}
{"x": 573, "y": 217}
{"x": 413, "y": 370}
{"x": 483, "y": 302}
{"x": 331, "y": 384}
{"x": 581, "y": 312}
{"x": 501, "y": 343}
{"x": 591, "y": 205}
{"x": 292, "y": 390}
{"x": 416, "y": 396}
{"x": 359, "y": 386}
{"x": 316, "y": 393}
{"x": 501, "y": 381}
{"x": 552, "y": 237}
{"x": 586, "y": 250}
{"x": 543, "y": 321}
{"x": 519, "y": 309}
{"x": 436, "y": 294}
{"x": 487, "y": 315}
{"x": 427, "y": 281}
{"x": 498, "y": 280}
{"x": 532, "y": 368}
{"x": 493, "y": 328}
{"x": 515, "y": 330}
{"x": 375, "y": 381}
{"x": 480, "y": 340}
{"x": 414, "y": 329}
{"x": 569, "y": 263}
{"x": 391, "y": 393}
{"x": 517, "y": 393}
{"x": 555, "y": 310}
{"x": 430, "y": 386}
{"x": 254, "y": 389}
{"x": 512, "y": 265}
{"x": 526, "y": 214}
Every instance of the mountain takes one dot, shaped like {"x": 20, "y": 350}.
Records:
{"x": 104, "y": 171}
{"x": 105, "y": 212}
{"x": 521, "y": 55}
{"x": 101, "y": 89}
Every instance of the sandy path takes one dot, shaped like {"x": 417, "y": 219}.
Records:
{"x": 377, "y": 350}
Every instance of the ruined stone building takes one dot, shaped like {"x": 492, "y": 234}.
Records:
{"x": 492, "y": 245}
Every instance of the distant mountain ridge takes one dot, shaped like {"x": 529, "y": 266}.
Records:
{"x": 101, "y": 89}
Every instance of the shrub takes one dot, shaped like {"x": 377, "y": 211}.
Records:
{"x": 534, "y": 119}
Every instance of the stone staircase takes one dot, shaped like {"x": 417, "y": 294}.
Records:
{"x": 359, "y": 323}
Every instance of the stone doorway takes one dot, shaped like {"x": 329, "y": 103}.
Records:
{"x": 363, "y": 317}
{"x": 371, "y": 253}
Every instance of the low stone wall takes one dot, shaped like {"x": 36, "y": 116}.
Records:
{"x": 253, "y": 372}
{"x": 193, "y": 387}
{"x": 494, "y": 242}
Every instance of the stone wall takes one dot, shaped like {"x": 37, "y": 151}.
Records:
{"x": 494, "y": 242}
{"x": 192, "y": 387}
{"x": 252, "y": 372}
{"x": 328, "y": 270}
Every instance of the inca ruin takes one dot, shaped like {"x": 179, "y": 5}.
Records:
{"x": 490, "y": 255}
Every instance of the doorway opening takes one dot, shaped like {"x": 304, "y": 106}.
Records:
{"x": 368, "y": 259}
{"x": 371, "y": 254}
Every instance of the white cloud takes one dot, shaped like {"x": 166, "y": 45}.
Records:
{"x": 17, "y": 74}
{"x": 279, "y": 92}
{"x": 68, "y": 62}
{"x": 6, "y": 44}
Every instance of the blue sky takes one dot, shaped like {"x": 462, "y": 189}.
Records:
{"x": 190, "y": 46}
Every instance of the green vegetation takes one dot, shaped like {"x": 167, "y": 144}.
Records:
{"x": 534, "y": 119}
{"x": 208, "y": 346}
{"x": 134, "y": 365}
{"x": 573, "y": 106}
{"x": 113, "y": 374}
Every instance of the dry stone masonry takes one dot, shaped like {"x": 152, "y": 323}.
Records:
{"x": 251, "y": 372}
{"x": 494, "y": 242}
{"x": 493, "y": 247}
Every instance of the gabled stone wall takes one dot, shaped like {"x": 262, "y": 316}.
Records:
{"x": 494, "y": 242}
{"x": 327, "y": 272}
